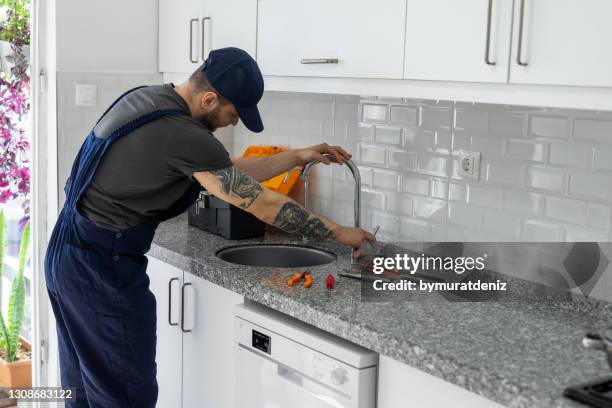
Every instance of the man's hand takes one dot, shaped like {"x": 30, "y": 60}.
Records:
{"x": 311, "y": 153}
{"x": 352, "y": 236}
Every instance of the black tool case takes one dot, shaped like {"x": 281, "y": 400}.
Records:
{"x": 214, "y": 215}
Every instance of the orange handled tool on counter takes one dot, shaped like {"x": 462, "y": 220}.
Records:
{"x": 298, "y": 277}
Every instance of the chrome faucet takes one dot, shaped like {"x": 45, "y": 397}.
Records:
{"x": 356, "y": 177}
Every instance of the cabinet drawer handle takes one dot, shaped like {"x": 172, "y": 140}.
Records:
{"x": 488, "y": 42}
{"x": 170, "y": 322}
{"x": 319, "y": 61}
{"x": 519, "y": 51}
{"x": 203, "y": 37}
{"x": 183, "y": 307}
{"x": 193, "y": 20}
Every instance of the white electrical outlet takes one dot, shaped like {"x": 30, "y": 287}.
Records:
{"x": 469, "y": 164}
{"x": 86, "y": 95}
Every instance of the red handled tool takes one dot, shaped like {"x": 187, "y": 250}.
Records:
{"x": 329, "y": 283}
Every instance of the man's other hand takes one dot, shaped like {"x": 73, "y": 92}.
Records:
{"x": 311, "y": 153}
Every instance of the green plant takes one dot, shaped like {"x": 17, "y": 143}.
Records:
{"x": 10, "y": 333}
{"x": 16, "y": 21}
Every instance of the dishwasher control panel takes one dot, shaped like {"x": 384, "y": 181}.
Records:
{"x": 261, "y": 342}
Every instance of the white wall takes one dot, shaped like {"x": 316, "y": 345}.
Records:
{"x": 109, "y": 35}
{"x": 545, "y": 173}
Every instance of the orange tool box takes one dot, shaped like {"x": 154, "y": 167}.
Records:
{"x": 281, "y": 183}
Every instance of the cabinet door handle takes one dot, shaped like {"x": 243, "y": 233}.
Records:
{"x": 170, "y": 322}
{"x": 519, "y": 50}
{"x": 203, "y": 37}
{"x": 488, "y": 42}
{"x": 319, "y": 61}
{"x": 183, "y": 307}
{"x": 193, "y": 20}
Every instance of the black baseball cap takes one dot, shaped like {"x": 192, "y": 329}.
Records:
{"x": 235, "y": 74}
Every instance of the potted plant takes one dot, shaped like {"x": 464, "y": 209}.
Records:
{"x": 14, "y": 34}
{"x": 15, "y": 353}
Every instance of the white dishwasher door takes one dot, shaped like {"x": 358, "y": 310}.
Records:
{"x": 266, "y": 384}
{"x": 284, "y": 363}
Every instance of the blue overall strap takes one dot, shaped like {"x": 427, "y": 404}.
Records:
{"x": 117, "y": 100}
{"x": 76, "y": 161}
{"x": 94, "y": 148}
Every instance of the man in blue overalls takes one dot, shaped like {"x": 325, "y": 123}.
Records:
{"x": 145, "y": 162}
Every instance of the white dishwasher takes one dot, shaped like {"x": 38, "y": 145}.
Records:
{"x": 284, "y": 363}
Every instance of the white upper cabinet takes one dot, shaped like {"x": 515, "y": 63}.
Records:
{"x": 189, "y": 29}
{"x": 230, "y": 23}
{"x": 562, "y": 42}
{"x": 179, "y": 35}
{"x": 331, "y": 38}
{"x": 458, "y": 40}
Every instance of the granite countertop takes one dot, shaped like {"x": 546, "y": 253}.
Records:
{"x": 516, "y": 353}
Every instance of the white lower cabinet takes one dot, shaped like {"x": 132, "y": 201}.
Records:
{"x": 195, "y": 339}
{"x": 209, "y": 355}
{"x": 400, "y": 385}
{"x": 166, "y": 281}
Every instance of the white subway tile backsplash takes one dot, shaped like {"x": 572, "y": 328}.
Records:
{"x": 490, "y": 148}
{"x": 372, "y": 154}
{"x": 506, "y": 123}
{"x": 404, "y": 115}
{"x": 415, "y": 138}
{"x": 591, "y": 185}
{"x": 388, "y": 223}
{"x": 374, "y": 112}
{"x": 465, "y": 215}
{"x": 598, "y": 216}
{"x": 461, "y": 140}
{"x": 406, "y": 205}
{"x": 504, "y": 173}
{"x": 502, "y": 223}
{"x": 571, "y": 155}
{"x": 373, "y": 199}
{"x": 434, "y": 118}
{"x": 430, "y": 209}
{"x": 280, "y": 105}
{"x": 581, "y": 235}
{"x": 400, "y": 159}
{"x": 545, "y": 174}
{"x": 540, "y": 231}
{"x": 471, "y": 119}
{"x": 542, "y": 178}
{"x": 591, "y": 129}
{"x": 386, "y": 179}
{"x": 347, "y": 110}
{"x": 566, "y": 210}
{"x": 484, "y": 196}
{"x": 415, "y": 185}
{"x": 522, "y": 202}
{"x": 388, "y": 135}
{"x": 549, "y": 126}
{"x": 525, "y": 151}
{"x": 365, "y": 132}
{"x": 603, "y": 158}
{"x": 433, "y": 165}
{"x": 458, "y": 192}
{"x": 439, "y": 188}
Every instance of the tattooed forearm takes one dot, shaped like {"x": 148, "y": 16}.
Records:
{"x": 294, "y": 219}
{"x": 235, "y": 182}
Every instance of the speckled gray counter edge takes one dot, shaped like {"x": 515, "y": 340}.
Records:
{"x": 473, "y": 378}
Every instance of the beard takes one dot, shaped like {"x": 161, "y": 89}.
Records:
{"x": 210, "y": 119}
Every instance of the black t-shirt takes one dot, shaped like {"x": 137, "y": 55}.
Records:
{"x": 146, "y": 171}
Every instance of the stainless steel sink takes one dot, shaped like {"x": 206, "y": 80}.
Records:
{"x": 276, "y": 255}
